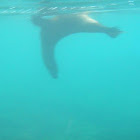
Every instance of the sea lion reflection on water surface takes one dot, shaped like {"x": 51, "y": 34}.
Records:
{"x": 58, "y": 27}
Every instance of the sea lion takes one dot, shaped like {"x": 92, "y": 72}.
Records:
{"x": 55, "y": 28}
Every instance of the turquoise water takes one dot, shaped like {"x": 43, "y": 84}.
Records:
{"x": 97, "y": 94}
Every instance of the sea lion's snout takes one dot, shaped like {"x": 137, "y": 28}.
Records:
{"x": 53, "y": 72}
{"x": 54, "y": 75}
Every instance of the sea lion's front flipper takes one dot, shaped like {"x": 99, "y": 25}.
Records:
{"x": 48, "y": 53}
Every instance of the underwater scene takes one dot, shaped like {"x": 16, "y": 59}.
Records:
{"x": 69, "y": 70}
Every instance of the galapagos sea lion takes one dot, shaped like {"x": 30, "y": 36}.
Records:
{"x": 55, "y": 28}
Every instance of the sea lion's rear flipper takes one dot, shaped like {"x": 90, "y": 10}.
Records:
{"x": 114, "y": 32}
{"x": 48, "y": 54}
